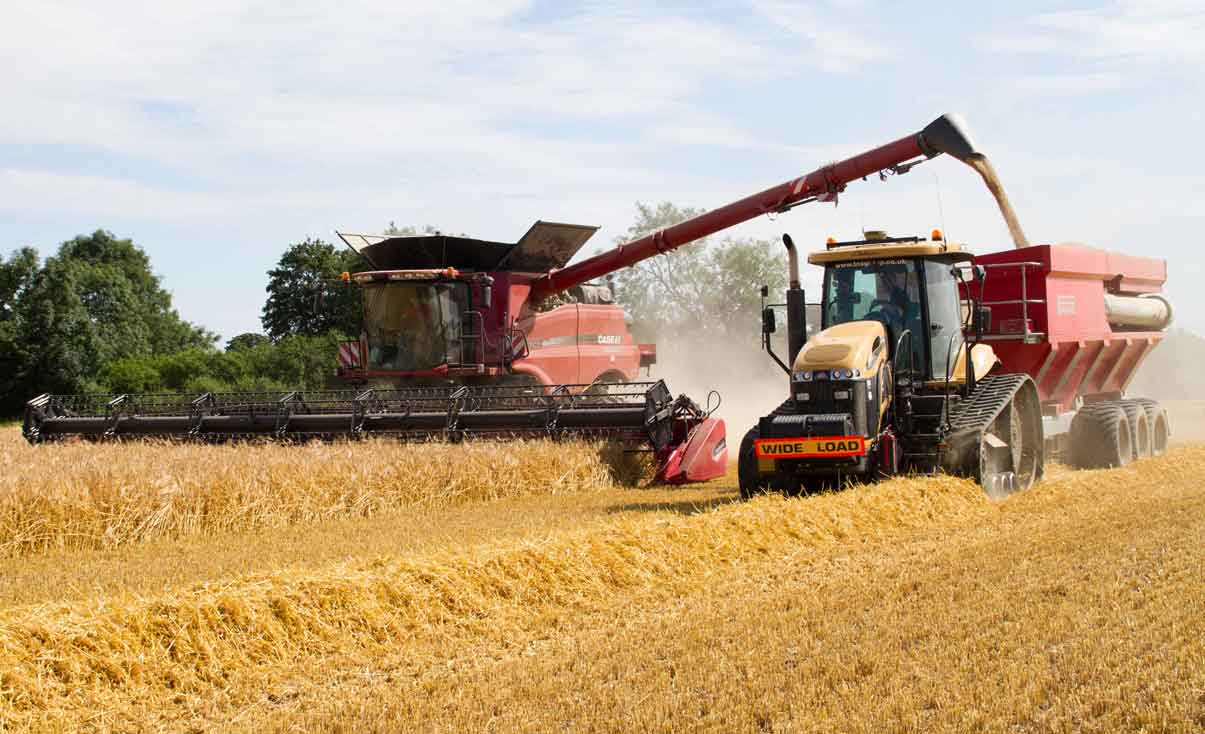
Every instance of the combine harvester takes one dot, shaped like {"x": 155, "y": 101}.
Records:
{"x": 470, "y": 338}
{"x": 1054, "y": 334}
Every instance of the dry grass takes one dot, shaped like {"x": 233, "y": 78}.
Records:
{"x": 839, "y": 611}
{"x": 70, "y": 496}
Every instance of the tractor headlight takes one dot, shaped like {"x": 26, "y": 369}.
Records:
{"x": 803, "y": 376}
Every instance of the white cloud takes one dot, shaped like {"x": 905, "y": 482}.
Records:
{"x": 302, "y": 105}
{"x": 832, "y": 36}
{"x": 1123, "y": 31}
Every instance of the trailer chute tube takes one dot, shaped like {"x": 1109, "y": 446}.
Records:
{"x": 1150, "y": 312}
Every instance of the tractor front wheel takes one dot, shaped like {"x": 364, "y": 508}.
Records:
{"x": 751, "y": 481}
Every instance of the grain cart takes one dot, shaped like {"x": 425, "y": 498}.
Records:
{"x": 931, "y": 358}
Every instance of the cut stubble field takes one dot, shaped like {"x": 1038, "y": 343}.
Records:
{"x": 565, "y": 601}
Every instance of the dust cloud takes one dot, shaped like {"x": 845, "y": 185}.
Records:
{"x": 749, "y": 382}
{"x": 1172, "y": 375}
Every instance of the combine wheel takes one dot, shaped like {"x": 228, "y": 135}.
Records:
{"x": 608, "y": 388}
{"x": 1100, "y": 437}
{"x": 751, "y": 482}
{"x": 1157, "y": 424}
{"x": 1140, "y": 434}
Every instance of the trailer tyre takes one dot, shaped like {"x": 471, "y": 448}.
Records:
{"x": 1157, "y": 424}
{"x": 1140, "y": 433}
{"x": 1100, "y": 437}
{"x": 751, "y": 481}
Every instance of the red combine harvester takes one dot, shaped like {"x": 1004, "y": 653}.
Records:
{"x": 442, "y": 310}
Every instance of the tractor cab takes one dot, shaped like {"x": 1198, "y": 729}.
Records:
{"x": 907, "y": 285}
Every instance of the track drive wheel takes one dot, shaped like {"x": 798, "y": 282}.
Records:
{"x": 1157, "y": 424}
{"x": 751, "y": 482}
{"x": 1010, "y": 451}
{"x": 1100, "y": 437}
{"x": 1140, "y": 433}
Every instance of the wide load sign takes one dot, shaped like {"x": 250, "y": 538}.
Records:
{"x": 828, "y": 447}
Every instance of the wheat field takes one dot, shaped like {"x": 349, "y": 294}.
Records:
{"x": 565, "y": 602}
{"x": 83, "y": 495}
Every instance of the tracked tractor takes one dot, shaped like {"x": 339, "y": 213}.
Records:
{"x": 929, "y": 358}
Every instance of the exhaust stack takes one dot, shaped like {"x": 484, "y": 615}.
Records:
{"x": 796, "y": 304}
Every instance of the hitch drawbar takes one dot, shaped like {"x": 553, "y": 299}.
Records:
{"x": 688, "y": 443}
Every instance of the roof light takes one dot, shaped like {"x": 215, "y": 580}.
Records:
{"x": 831, "y": 241}
{"x": 345, "y": 276}
{"x": 936, "y": 235}
{"x": 450, "y": 273}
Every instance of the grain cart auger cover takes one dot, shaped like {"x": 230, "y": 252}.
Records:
{"x": 686, "y": 441}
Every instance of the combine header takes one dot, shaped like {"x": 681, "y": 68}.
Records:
{"x": 687, "y": 444}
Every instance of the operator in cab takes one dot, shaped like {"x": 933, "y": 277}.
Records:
{"x": 883, "y": 291}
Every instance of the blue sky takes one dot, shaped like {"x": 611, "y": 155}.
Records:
{"x": 215, "y": 134}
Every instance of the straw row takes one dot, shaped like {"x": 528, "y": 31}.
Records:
{"x": 204, "y": 640}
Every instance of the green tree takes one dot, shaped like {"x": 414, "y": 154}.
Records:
{"x": 17, "y": 274}
{"x": 92, "y": 303}
{"x": 305, "y": 294}
{"x": 249, "y": 340}
{"x": 408, "y": 230}
{"x": 702, "y": 288}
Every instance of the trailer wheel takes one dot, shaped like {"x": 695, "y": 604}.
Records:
{"x": 751, "y": 481}
{"x": 1157, "y": 423}
{"x": 1140, "y": 434}
{"x": 1100, "y": 437}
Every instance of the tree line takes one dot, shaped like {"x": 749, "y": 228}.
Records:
{"x": 93, "y": 317}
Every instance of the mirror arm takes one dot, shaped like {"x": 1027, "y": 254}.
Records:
{"x": 767, "y": 324}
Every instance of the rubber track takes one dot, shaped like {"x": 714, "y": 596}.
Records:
{"x": 991, "y": 396}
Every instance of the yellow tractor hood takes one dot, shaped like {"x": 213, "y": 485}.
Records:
{"x": 856, "y": 345}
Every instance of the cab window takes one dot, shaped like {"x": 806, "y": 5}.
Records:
{"x": 945, "y": 317}
{"x": 887, "y": 291}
